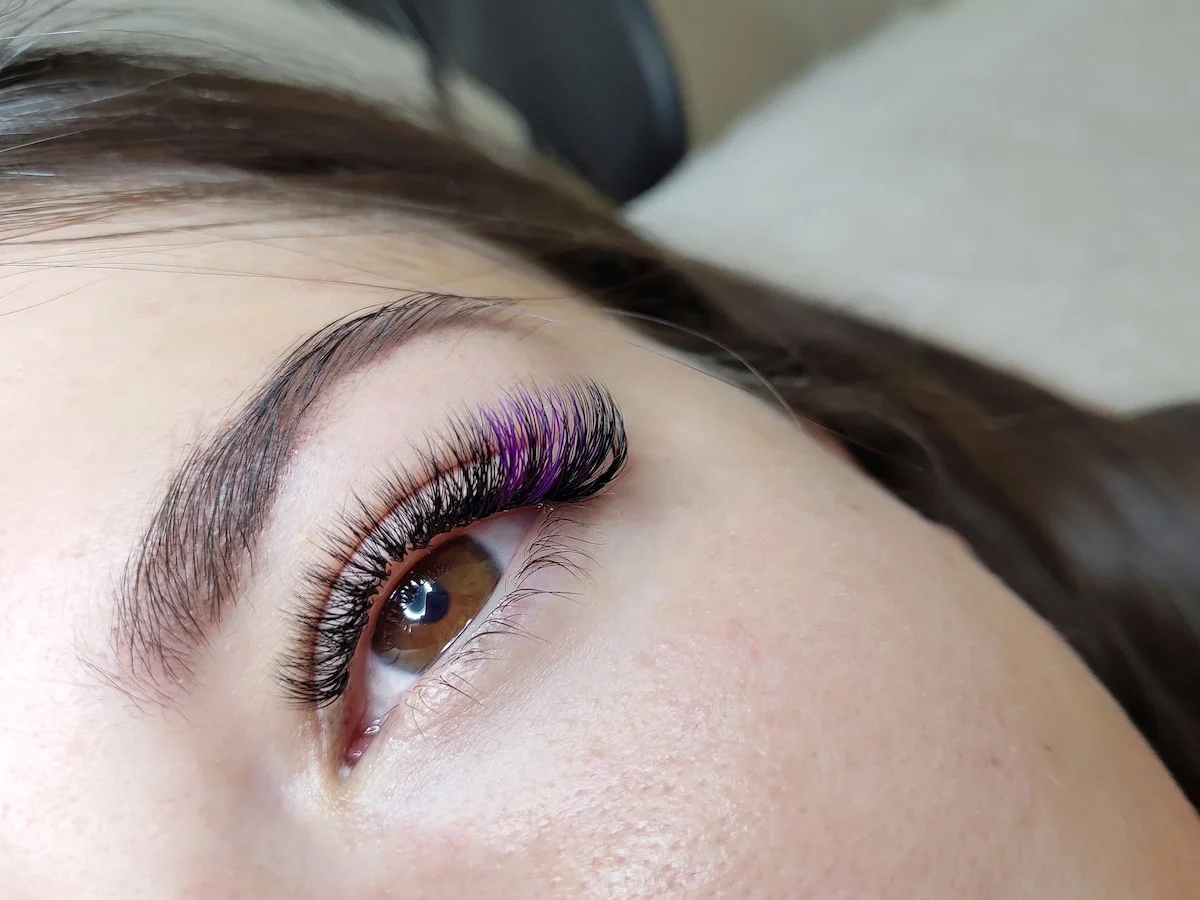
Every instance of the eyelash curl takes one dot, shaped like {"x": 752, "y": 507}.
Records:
{"x": 558, "y": 443}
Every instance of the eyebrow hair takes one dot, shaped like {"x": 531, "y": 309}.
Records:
{"x": 183, "y": 574}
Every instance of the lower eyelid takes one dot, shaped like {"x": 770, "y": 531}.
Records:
{"x": 553, "y": 542}
{"x": 507, "y": 538}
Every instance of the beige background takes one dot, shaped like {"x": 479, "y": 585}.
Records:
{"x": 731, "y": 52}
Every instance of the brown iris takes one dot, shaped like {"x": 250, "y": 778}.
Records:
{"x": 434, "y": 601}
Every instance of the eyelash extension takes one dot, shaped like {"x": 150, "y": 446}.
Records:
{"x": 557, "y": 443}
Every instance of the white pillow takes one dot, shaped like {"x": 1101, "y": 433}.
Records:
{"x": 1019, "y": 178}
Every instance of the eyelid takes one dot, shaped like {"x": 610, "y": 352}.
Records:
{"x": 558, "y": 443}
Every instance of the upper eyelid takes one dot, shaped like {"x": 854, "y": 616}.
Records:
{"x": 401, "y": 487}
{"x": 470, "y": 445}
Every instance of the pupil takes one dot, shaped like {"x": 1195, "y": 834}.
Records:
{"x": 424, "y": 601}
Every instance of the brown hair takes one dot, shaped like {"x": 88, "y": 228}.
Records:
{"x": 1093, "y": 520}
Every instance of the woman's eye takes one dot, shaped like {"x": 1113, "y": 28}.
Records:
{"x": 434, "y": 602}
{"x": 433, "y": 606}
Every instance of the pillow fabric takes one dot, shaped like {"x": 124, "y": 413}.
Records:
{"x": 1016, "y": 178}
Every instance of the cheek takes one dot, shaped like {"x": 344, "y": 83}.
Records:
{"x": 711, "y": 738}
{"x": 798, "y": 695}
{"x": 676, "y": 797}
{"x": 681, "y": 776}
{"x": 660, "y": 772}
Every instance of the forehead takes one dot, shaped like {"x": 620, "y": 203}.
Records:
{"x": 115, "y": 347}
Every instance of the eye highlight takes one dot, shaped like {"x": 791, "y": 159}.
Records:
{"x": 434, "y": 603}
{"x": 435, "y": 600}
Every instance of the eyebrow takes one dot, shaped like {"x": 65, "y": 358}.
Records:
{"x": 183, "y": 574}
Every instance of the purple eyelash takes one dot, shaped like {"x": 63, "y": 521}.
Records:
{"x": 556, "y": 443}
{"x": 552, "y": 416}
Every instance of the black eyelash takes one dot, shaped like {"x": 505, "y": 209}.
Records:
{"x": 559, "y": 443}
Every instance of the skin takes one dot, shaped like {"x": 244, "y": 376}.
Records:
{"x": 776, "y": 682}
